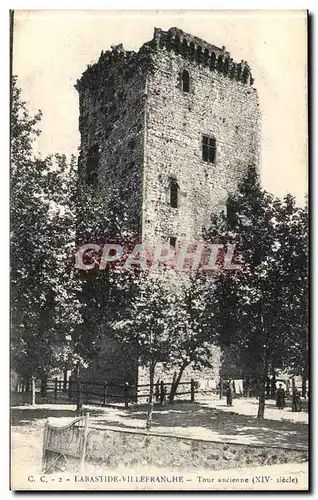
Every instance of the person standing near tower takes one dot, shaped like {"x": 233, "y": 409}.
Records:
{"x": 280, "y": 397}
{"x": 229, "y": 394}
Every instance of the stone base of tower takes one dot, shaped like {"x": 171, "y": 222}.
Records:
{"x": 206, "y": 378}
{"x": 114, "y": 364}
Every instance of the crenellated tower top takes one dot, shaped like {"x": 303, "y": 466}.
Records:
{"x": 190, "y": 47}
{"x": 196, "y": 49}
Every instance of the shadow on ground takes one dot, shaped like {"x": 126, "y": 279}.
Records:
{"x": 271, "y": 403}
{"x": 230, "y": 425}
{"x": 26, "y": 415}
{"x": 196, "y": 418}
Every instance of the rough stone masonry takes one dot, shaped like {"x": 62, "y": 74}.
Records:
{"x": 171, "y": 128}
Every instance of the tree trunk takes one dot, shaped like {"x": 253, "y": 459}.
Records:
{"x": 79, "y": 394}
{"x": 151, "y": 401}
{"x": 261, "y": 402}
{"x": 32, "y": 391}
{"x": 221, "y": 389}
{"x": 174, "y": 386}
{"x": 64, "y": 380}
{"x": 262, "y": 395}
{"x": 43, "y": 385}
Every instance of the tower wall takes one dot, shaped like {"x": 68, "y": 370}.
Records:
{"x": 111, "y": 98}
{"x": 218, "y": 105}
{"x": 149, "y": 130}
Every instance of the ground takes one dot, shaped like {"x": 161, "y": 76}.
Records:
{"x": 207, "y": 419}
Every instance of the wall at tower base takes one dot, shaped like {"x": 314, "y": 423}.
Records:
{"x": 114, "y": 363}
{"x": 206, "y": 377}
{"x": 111, "y": 101}
{"x": 117, "y": 447}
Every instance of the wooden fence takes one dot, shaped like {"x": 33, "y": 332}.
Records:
{"x": 104, "y": 393}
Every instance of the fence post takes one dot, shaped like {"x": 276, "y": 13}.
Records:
{"x": 162, "y": 392}
{"x": 43, "y": 386}
{"x": 136, "y": 391}
{"x": 126, "y": 394}
{"x": 192, "y": 390}
{"x": 105, "y": 393}
{"x": 84, "y": 440}
{"x": 55, "y": 388}
{"x": 64, "y": 380}
{"x": 70, "y": 387}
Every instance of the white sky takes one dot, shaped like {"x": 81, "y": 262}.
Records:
{"x": 53, "y": 48}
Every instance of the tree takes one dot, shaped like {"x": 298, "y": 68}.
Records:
{"x": 192, "y": 325}
{"x": 145, "y": 327}
{"x": 42, "y": 232}
{"x": 271, "y": 238}
{"x": 168, "y": 323}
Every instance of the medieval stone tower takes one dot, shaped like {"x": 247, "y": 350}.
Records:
{"x": 172, "y": 128}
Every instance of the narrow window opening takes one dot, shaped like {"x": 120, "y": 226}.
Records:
{"x": 185, "y": 81}
{"x": 208, "y": 149}
{"x": 92, "y": 165}
{"x": 173, "y": 241}
{"x": 174, "y": 193}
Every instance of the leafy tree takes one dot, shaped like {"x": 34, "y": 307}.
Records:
{"x": 261, "y": 320}
{"x": 192, "y": 326}
{"x": 43, "y": 300}
{"x": 168, "y": 324}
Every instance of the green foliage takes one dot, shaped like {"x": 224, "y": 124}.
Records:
{"x": 42, "y": 232}
{"x": 60, "y": 314}
{"x": 262, "y": 310}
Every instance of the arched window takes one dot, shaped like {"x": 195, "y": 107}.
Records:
{"x": 185, "y": 81}
{"x": 174, "y": 193}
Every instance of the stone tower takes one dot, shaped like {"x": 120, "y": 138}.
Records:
{"x": 172, "y": 128}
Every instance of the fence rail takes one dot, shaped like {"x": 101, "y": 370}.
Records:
{"x": 104, "y": 393}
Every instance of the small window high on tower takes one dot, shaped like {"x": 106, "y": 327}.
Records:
{"x": 208, "y": 149}
{"x": 174, "y": 193}
{"x": 173, "y": 241}
{"x": 185, "y": 81}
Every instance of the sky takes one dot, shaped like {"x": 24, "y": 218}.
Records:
{"x": 51, "y": 49}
